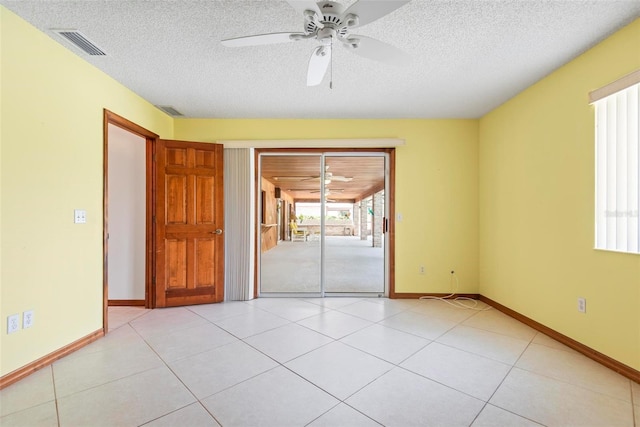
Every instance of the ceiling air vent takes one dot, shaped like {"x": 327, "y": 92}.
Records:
{"x": 170, "y": 110}
{"x": 81, "y": 42}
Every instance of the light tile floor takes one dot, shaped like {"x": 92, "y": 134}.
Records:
{"x": 321, "y": 362}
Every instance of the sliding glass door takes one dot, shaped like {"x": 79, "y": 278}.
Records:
{"x": 322, "y": 224}
{"x": 290, "y": 256}
{"x": 353, "y": 250}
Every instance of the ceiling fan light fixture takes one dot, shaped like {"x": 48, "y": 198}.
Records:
{"x": 352, "y": 42}
{"x": 351, "y": 20}
{"x": 321, "y": 52}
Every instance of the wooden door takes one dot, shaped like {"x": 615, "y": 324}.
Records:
{"x": 189, "y": 224}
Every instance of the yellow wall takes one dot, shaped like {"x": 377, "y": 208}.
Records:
{"x": 537, "y": 207}
{"x": 436, "y": 187}
{"x": 50, "y": 164}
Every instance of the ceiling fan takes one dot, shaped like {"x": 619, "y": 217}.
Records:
{"x": 328, "y": 177}
{"x": 327, "y": 192}
{"x": 328, "y": 21}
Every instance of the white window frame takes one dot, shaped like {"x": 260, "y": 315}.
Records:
{"x": 617, "y": 165}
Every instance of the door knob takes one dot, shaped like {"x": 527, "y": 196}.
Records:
{"x": 218, "y": 231}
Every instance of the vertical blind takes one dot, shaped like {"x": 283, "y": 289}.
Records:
{"x": 239, "y": 225}
{"x": 618, "y": 170}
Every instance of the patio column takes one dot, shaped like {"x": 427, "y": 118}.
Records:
{"x": 363, "y": 219}
{"x": 355, "y": 217}
{"x": 376, "y": 226}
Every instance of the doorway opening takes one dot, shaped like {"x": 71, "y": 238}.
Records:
{"x": 126, "y": 212}
{"x": 137, "y": 265}
{"x": 324, "y": 228}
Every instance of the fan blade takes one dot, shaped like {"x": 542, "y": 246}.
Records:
{"x": 377, "y": 50}
{"x": 341, "y": 178}
{"x": 301, "y": 5}
{"x": 368, "y": 11}
{"x": 260, "y": 39}
{"x": 318, "y": 64}
{"x": 294, "y": 178}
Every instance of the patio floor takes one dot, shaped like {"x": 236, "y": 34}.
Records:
{"x": 351, "y": 265}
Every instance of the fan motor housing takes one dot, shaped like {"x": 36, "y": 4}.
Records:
{"x": 331, "y": 18}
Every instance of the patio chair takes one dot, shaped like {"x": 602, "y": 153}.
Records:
{"x": 297, "y": 235}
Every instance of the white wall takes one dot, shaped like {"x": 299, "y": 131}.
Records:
{"x": 126, "y": 215}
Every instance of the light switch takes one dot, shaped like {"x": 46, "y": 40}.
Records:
{"x": 399, "y": 217}
{"x": 80, "y": 216}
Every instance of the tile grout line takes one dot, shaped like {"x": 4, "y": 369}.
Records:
{"x": 460, "y": 322}
{"x": 55, "y": 395}
{"x": 500, "y": 385}
{"x": 566, "y": 382}
{"x": 633, "y": 405}
{"x": 93, "y": 387}
{"x": 442, "y": 384}
{"x": 501, "y": 382}
{"x": 334, "y": 407}
{"x": 279, "y": 364}
{"x": 333, "y": 340}
{"x": 174, "y": 374}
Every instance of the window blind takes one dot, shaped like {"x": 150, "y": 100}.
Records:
{"x": 239, "y": 207}
{"x": 618, "y": 170}
{"x": 613, "y": 87}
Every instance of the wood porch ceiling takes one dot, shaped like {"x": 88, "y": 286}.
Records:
{"x": 298, "y": 176}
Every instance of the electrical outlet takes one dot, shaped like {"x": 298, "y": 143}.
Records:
{"x": 79, "y": 216}
{"x": 422, "y": 269}
{"x": 582, "y": 305}
{"x": 27, "y": 319}
{"x": 13, "y": 323}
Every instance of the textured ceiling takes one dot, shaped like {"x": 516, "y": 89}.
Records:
{"x": 468, "y": 56}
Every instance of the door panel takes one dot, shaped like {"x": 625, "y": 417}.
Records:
{"x": 205, "y": 207}
{"x": 355, "y": 259}
{"x": 189, "y": 221}
{"x": 291, "y": 265}
{"x": 176, "y": 263}
{"x": 205, "y": 268}
{"x": 176, "y": 188}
